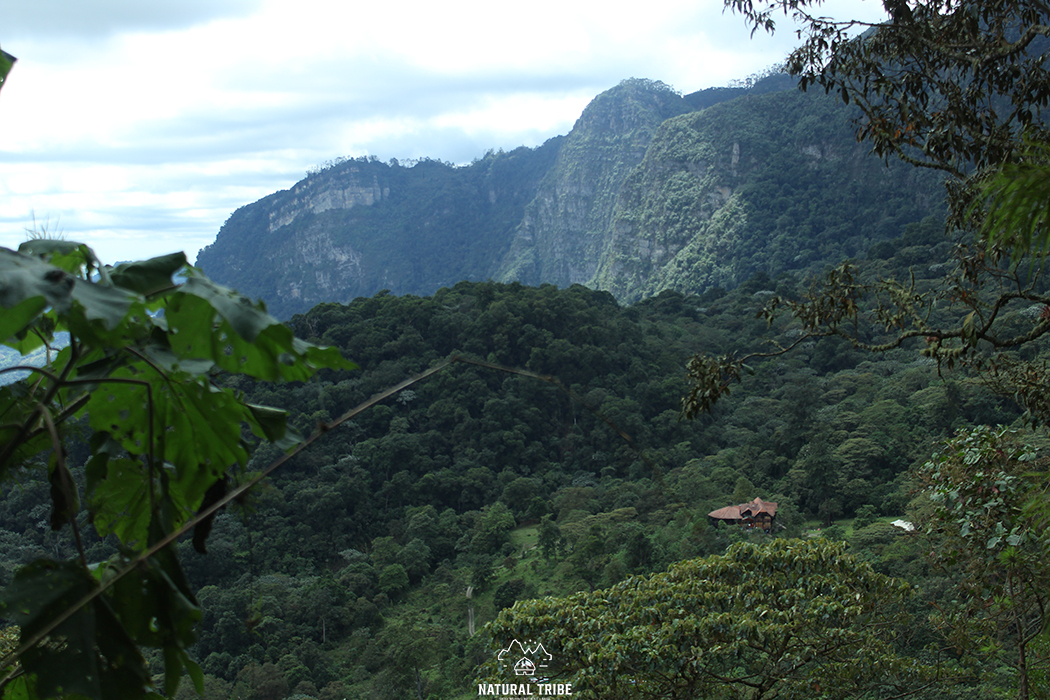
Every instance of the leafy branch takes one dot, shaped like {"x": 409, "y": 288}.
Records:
{"x": 140, "y": 366}
{"x": 961, "y": 318}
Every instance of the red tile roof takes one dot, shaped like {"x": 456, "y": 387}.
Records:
{"x": 745, "y": 510}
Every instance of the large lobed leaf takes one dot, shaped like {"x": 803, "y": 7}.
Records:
{"x": 93, "y": 311}
{"x": 195, "y": 438}
{"x": 210, "y": 321}
{"x": 140, "y": 364}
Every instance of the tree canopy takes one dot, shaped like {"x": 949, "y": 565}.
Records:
{"x": 946, "y": 84}
{"x": 787, "y": 619}
{"x": 980, "y": 484}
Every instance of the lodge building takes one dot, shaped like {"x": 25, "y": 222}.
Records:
{"x": 756, "y": 514}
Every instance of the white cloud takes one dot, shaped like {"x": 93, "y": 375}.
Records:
{"x": 141, "y": 126}
{"x": 76, "y": 19}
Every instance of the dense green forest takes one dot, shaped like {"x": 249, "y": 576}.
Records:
{"x": 500, "y": 462}
{"x": 348, "y": 574}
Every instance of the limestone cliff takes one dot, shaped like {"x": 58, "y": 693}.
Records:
{"x": 361, "y": 226}
{"x": 565, "y": 227}
{"x": 281, "y": 249}
{"x": 764, "y": 183}
{"x": 645, "y": 193}
{"x": 343, "y": 189}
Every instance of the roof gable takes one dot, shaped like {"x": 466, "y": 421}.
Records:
{"x": 745, "y": 510}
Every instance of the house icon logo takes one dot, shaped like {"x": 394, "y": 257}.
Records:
{"x": 526, "y": 660}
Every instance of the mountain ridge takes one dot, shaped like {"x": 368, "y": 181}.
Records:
{"x": 645, "y": 193}
{"x": 560, "y": 237}
{"x": 773, "y": 182}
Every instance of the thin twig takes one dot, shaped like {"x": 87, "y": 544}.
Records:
{"x": 35, "y": 639}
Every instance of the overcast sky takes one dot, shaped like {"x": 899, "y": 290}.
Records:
{"x": 139, "y": 126}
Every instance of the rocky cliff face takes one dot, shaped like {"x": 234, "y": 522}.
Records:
{"x": 765, "y": 183}
{"x": 281, "y": 248}
{"x": 564, "y": 228}
{"x": 362, "y": 226}
{"x": 644, "y": 194}
{"x": 343, "y": 190}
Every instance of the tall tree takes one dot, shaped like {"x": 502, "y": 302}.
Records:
{"x": 786, "y": 619}
{"x": 979, "y": 483}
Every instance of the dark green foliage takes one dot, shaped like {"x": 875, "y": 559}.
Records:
{"x": 550, "y": 540}
{"x": 702, "y": 99}
{"x": 510, "y": 592}
{"x": 644, "y": 194}
{"x": 448, "y": 468}
{"x": 138, "y": 366}
{"x": 1016, "y": 202}
{"x": 865, "y": 517}
{"x": 398, "y": 512}
{"x": 979, "y": 484}
{"x": 393, "y": 579}
{"x": 949, "y": 86}
{"x": 97, "y": 655}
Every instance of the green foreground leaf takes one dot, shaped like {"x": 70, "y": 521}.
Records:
{"x": 7, "y": 62}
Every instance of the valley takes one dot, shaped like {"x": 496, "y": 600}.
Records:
{"x": 687, "y": 306}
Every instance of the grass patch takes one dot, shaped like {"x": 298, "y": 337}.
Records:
{"x": 525, "y": 537}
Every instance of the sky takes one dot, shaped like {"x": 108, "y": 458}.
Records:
{"x": 139, "y": 126}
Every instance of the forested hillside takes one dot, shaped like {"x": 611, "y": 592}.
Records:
{"x": 495, "y": 468}
{"x": 348, "y": 575}
{"x": 355, "y": 580}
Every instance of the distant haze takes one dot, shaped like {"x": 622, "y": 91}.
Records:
{"x": 139, "y": 127}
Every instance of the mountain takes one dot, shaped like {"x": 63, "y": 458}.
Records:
{"x": 773, "y": 182}
{"x": 650, "y": 190}
{"x": 362, "y": 225}
{"x": 564, "y": 230}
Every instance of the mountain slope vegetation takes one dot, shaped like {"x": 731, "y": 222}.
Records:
{"x": 773, "y": 183}
{"x": 505, "y": 485}
{"x": 645, "y": 193}
{"x": 561, "y": 237}
{"x": 329, "y": 582}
